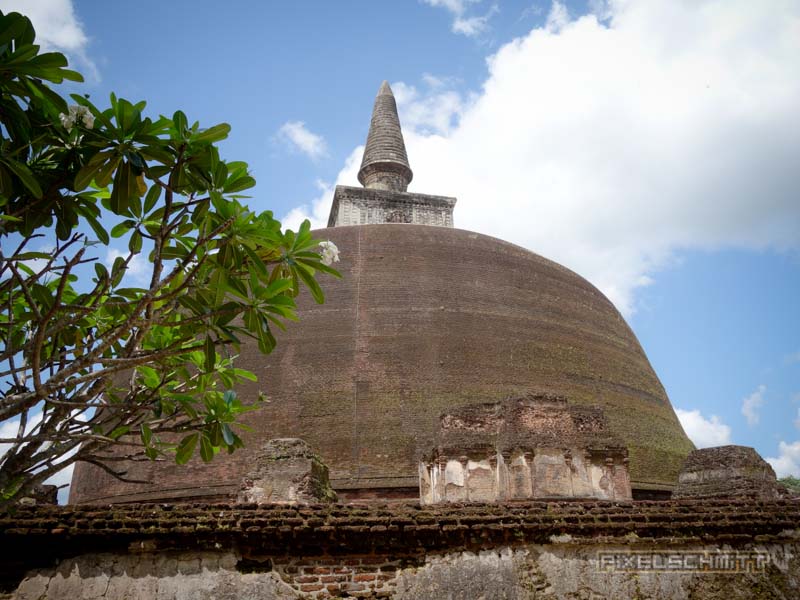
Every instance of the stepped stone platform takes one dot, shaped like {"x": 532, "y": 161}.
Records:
{"x": 515, "y": 550}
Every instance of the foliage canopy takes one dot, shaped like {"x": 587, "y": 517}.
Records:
{"x": 791, "y": 483}
{"x": 97, "y": 364}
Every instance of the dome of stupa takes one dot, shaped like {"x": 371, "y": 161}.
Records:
{"x": 425, "y": 319}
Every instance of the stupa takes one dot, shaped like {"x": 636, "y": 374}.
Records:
{"x": 426, "y": 319}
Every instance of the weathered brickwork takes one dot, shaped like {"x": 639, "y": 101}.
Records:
{"x": 522, "y": 550}
{"x": 424, "y": 320}
{"x": 286, "y": 471}
{"x": 727, "y": 471}
{"x": 532, "y": 446}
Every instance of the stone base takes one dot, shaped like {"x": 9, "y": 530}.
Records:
{"x": 561, "y": 569}
{"x": 287, "y": 472}
{"x": 365, "y": 206}
{"x": 727, "y": 471}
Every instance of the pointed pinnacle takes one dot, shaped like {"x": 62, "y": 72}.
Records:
{"x": 385, "y": 89}
{"x": 385, "y": 163}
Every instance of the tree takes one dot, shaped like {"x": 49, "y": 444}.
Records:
{"x": 791, "y": 483}
{"x": 94, "y": 366}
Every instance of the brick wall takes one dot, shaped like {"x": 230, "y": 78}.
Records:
{"x": 398, "y": 551}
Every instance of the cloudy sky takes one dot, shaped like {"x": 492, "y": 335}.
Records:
{"x": 651, "y": 146}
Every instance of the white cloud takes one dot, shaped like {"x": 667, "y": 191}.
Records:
{"x": 788, "y": 463}
{"x": 557, "y": 18}
{"x": 437, "y": 81}
{"x": 612, "y": 146}
{"x": 435, "y": 113}
{"x": 704, "y": 433}
{"x": 38, "y": 264}
{"x": 317, "y": 211}
{"x": 10, "y": 429}
{"x": 792, "y": 358}
{"x": 57, "y": 28}
{"x": 138, "y": 268}
{"x": 472, "y": 26}
{"x": 462, "y": 23}
{"x": 298, "y": 137}
{"x": 319, "y": 208}
{"x": 601, "y": 9}
{"x": 752, "y": 404}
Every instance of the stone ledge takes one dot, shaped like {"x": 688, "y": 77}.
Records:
{"x": 43, "y": 536}
{"x": 393, "y": 526}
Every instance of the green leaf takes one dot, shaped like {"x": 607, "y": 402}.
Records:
{"x": 227, "y": 434}
{"x": 135, "y": 243}
{"x": 119, "y": 432}
{"x": 31, "y": 255}
{"x": 179, "y": 119}
{"x": 149, "y": 375}
{"x": 102, "y": 272}
{"x": 215, "y": 434}
{"x": 206, "y": 449}
{"x": 121, "y": 189}
{"x": 212, "y": 134}
{"x": 147, "y": 434}
{"x": 98, "y": 229}
{"x": 121, "y": 229}
{"x": 210, "y": 354}
{"x": 103, "y": 175}
{"x": 238, "y": 185}
{"x": 318, "y": 266}
{"x": 244, "y": 374}
{"x": 117, "y": 270}
{"x": 25, "y": 175}
{"x": 43, "y": 296}
{"x": 312, "y": 284}
{"x": 85, "y": 176}
{"x": 277, "y": 287}
{"x": 152, "y": 197}
{"x": 186, "y": 448}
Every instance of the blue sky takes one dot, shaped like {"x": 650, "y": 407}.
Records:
{"x": 650, "y": 146}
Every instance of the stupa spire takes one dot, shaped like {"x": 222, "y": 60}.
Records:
{"x": 385, "y": 163}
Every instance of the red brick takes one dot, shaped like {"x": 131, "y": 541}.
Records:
{"x": 342, "y": 570}
{"x": 373, "y": 560}
{"x": 311, "y": 587}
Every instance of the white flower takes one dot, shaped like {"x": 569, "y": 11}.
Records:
{"x": 67, "y": 121}
{"x": 330, "y": 253}
{"x": 76, "y": 113}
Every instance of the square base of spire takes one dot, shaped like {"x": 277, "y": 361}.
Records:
{"x": 366, "y": 206}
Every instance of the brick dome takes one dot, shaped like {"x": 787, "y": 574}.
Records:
{"x": 427, "y": 319}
